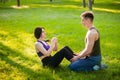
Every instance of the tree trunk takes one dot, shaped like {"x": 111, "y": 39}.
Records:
{"x": 18, "y": 3}
{"x": 84, "y": 3}
{"x": 90, "y": 4}
{"x": 92, "y": 1}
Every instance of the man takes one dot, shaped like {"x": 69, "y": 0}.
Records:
{"x": 91, "y": 54}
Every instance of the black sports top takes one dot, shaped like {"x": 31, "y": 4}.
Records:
{"x": 96, "y": 48}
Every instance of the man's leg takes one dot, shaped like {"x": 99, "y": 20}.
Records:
{"x": 82, "y": 65}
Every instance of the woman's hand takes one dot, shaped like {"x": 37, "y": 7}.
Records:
{"x": 55, "y": 42}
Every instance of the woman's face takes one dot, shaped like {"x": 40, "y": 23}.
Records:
{"x": 43, "y": 35}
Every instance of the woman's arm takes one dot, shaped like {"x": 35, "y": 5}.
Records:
{"x": 40, "y": 48}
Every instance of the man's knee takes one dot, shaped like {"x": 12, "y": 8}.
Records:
{"x": 77, "y": 68}
{"x": 72, "y": 67}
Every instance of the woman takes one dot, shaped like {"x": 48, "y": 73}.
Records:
{"x": 44, "y": 50}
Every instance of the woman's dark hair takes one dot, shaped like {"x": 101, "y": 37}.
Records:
{"x": 38, "y": 32}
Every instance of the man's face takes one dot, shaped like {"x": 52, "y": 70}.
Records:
{"x": 85, "y": 21}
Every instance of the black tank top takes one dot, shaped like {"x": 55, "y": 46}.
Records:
{"x": 96, "y": 48}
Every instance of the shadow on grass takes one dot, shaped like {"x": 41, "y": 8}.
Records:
{"x": 5, "y": 52}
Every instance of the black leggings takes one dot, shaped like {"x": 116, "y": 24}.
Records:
{"x": 54, "y": 61}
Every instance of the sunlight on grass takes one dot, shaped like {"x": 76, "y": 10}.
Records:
{"x": 20, "y": 41}
{"x": 3, "y": 33}
{"x": 19, "y": 7}
{"x": 36, "y": 67}
{"x": 56, "y": 6}
{"x": 107, "y": 10}
{"x": 117, "y": 2}
{"x": 110, "y": 60}
{"x": 8, "y": 70}
{"x": 114, "y": 61}
{"x": 27, "y": 41}
{"x": 77, "y": 0}
{"x": 56, "y": 77}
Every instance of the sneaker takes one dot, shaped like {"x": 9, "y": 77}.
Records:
{"x": 96, "y": 67}
{"x": 99, "y": 67}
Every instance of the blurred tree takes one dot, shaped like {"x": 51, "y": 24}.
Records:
{"x": 90, "y": 4}
{"x": 50, "y": 0}
{"x": 18, "y": 3}
{"x": 84, "y": 3}
{"x": 92, "y": 1}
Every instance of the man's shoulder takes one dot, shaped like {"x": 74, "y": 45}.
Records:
{"x": 91, "y": 33}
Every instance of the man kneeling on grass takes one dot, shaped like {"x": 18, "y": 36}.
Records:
{"x": 91, "y": 54}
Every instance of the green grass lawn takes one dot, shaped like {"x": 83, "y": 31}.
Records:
{"x": 18, "y": 59}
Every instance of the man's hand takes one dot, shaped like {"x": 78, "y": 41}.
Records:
{"x": 74, "y": 58}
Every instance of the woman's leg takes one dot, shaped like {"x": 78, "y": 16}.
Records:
{"x": 68, "y": 53}
{"x": 46, "y": 60}
{"x": 66, "y": 47}
{"x": 58, "y": 57}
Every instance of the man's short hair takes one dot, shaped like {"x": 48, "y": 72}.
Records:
{"x": 88, "y": 14}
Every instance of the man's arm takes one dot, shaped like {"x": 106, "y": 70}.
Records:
{"x": 88, "y": 47}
